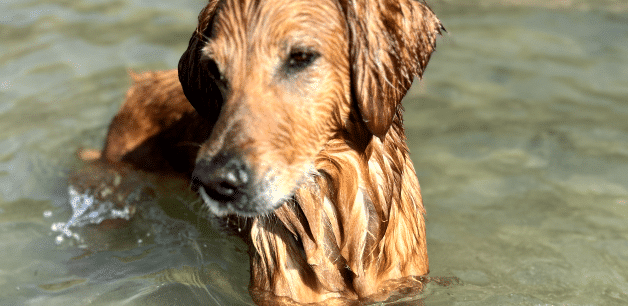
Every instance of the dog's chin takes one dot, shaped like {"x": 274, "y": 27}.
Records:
{"x": 260, "y": 207}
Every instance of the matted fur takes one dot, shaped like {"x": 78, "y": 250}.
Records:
{"x": 339, "y": 216}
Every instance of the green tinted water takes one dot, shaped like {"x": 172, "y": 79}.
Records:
{"x": 519, "y": 134}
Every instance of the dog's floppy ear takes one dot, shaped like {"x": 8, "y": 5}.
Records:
{"x": 391, "y": 43}
{"x": 198, "y": 86}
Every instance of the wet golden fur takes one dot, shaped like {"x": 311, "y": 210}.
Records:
{"x": 339, "y": 216}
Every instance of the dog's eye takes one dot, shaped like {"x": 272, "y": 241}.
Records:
{"x": 211, "y": 68}
{"x": 299, "y": 59}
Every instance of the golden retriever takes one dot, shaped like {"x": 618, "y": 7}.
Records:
{"x": 287, "y": 115}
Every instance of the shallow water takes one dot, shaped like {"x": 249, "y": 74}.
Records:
{"x": 519, "y": 135}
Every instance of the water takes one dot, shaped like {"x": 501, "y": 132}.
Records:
{"x": 519, "y": 135}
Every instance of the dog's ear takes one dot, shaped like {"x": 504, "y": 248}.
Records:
{"x": 391, "y": 43}
{"x": 198, "y": 85}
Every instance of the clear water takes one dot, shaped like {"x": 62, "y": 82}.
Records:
{"x": 519, "y": 134}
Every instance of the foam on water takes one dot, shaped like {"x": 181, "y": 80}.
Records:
{"x": 87, "y": 210}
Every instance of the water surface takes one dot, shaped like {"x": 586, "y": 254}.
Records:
{"x": 519, "y": 134}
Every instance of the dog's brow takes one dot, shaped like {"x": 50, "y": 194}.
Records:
{"x": 208, "y": 51}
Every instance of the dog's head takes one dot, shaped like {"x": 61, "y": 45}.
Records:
{"x": 282, "y": 78}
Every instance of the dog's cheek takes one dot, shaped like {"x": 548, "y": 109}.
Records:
{"x": 335, "y": 107}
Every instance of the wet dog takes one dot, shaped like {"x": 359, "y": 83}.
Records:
{"x": 296, "y": 109}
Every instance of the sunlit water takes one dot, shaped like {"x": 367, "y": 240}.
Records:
{"x": 519, "y": 134}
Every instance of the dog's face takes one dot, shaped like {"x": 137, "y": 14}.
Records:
{"x": 282, "y": 71}
{"x": 281, "y": 78}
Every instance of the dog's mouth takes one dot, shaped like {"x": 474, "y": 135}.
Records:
{"x": 229, "y": 185}
{"x": 242, "y": 206}
{"x": 247, "y": 200}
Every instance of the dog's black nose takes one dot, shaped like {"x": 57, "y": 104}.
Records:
{"x": 224, "y": 178}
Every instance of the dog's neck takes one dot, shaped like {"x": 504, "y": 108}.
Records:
{"x": 347, "y": 233}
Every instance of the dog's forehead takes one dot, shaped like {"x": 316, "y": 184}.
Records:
{"x": 243, "y": 24}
